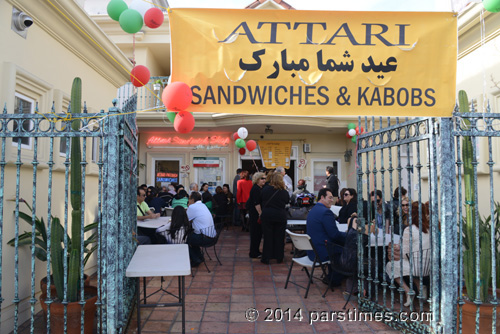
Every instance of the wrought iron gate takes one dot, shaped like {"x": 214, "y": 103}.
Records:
{"x": 34, "y": 170}
{"x": 423, "y": 155}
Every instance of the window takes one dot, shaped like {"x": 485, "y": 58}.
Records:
{"x": 23, "y": 105}
{"x": 320, "y": 172}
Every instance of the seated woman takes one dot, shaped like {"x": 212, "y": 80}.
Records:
{"x": 181, "y": 199}
{"x": 400, "y": 260}
{"x": 179, "y": 227}
{"x": 401, "y": 212}
{"x": 351, "y": 206}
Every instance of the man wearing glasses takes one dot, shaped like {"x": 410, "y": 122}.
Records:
{"x": 377, "y": 206}
{"x": 145, "y": 235}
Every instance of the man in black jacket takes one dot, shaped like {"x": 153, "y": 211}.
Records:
{"x": 332, "y": 182}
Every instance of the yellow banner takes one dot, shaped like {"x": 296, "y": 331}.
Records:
{"x": 275, "y": 153}
{"x": 291, "y": 62}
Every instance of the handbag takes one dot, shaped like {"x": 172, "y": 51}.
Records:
{"x": 297, "y": 213}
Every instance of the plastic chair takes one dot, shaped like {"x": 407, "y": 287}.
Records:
{"x": 210, "y": 238}
{"x": 303, "y": 242}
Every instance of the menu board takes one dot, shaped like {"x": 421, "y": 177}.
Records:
{"x": 275, "y": 153}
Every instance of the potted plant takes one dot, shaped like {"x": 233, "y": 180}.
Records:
{"x": 68, "y": 300}
{"x": 41, "y": 240}
{"x": 158, "y": 85}
{"x": 470, "y": 252}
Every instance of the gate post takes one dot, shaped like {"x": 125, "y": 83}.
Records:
{"x": 448, "y": 235}
{"x": 110, "y": 224}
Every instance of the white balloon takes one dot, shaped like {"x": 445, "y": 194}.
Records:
{"x": 352, "y": 132}
{"x": 140, "y": 6}
{"x": 242, "y": 133}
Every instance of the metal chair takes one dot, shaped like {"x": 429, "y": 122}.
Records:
{"x": 336, "y": 265}
{"x": 209, "y": 241}
{"x": 303, "y": 242}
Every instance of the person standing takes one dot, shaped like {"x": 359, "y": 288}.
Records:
{"x": 332, "y": 183}
{"x": 244, "y": 187}
{"x": 286, "y": 179}
{"x": 254, "y": 211}
{"x": 274, "y": 198}
{"x": 236, "y": 217}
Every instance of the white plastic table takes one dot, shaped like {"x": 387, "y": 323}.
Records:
{"x": 159, "y": 261}
{"x": 153, "y": 223}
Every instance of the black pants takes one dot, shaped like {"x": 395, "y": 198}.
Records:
{"x": 255, "y": 235}
{"x": 195, "y": 241}
{"x": 274, "y": 240}
{"x": 148, "y": 232}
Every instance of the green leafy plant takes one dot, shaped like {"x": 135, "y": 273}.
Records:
{"x": 90, "y": 243}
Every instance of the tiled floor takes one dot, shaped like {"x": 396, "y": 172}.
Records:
{"x": 217, "y": 302}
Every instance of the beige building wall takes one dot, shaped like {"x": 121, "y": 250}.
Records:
{"x": 41, "y": 67}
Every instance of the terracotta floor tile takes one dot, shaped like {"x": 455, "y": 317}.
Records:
{"x": 214, "y": 327}
{"x": 270, "y": 327}
{"x": 218, "y": 298}
{"x": 217, "y": 307}
{"x": 242, "y": 327}
{"x": 215, "y": 316}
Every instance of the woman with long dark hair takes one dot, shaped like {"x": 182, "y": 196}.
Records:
{"x": 274, "y": 199}
{"x": 351, "y": 206}
{"x": 179, "y": 226}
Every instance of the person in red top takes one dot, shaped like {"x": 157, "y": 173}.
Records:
{"x": 243, "y": 193}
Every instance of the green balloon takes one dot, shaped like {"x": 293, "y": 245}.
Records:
{"x": 171, "y": 116}
{"x": 351, "y": 126}
{"x": 492, "y": 5}
{"x": 353, "y": 139}
{"x": 240, "y": 143}
{"x": 115, "y": 8}
{"x": 131, "y": 21}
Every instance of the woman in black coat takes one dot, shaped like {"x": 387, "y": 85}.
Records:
{"x": 351, "y": 206}
{"x": 274, "y": 198}
{"x": 254, "y": 211}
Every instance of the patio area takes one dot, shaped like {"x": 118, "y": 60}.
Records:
{"x": 216, "y": 302}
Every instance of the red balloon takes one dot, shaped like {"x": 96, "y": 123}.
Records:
{"x": 184, "y": 122}
{"x": 251, "y": 145}
{"x": 242, "y": 151}
{"x": 359, "y": 130}
{"x": 177, "y": 96}
{"x": 139, "y": 75}
{"x": 235, "y": 136}
{"x": 153, "y": 17}
{"x": 348, "y": 135}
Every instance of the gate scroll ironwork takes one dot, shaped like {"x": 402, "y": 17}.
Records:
{"x": 35, "y": 168}
{"x": 425, "y": 155}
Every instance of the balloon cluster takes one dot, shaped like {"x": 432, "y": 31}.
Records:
{"x": 492, "y": 5}
{"x": 353, "y": 131}
{"x": 176, "y": 97}
{"x": 131, "y": 19}
{"x": 239, "y": 140}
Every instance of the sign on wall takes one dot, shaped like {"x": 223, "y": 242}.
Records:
{"x": 275, "y": 153}
{"x": 206, "y": 162}
{"x": 292, "y": 62}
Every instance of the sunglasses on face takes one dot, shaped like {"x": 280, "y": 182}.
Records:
{"x": 262, "y": 178}
{"x": 405, "y": 204}
{"x": 347, "y": 194}
{"x": 142, "y": 195}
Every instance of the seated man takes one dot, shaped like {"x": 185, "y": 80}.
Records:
{"x": 321, "y": 226}
{"x": 143, "y": 212}
{"x": 201, "y": 219}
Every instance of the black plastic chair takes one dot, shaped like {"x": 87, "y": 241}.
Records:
{"x": 303, "y": 242}
{"x": 209, "y": 241}
{"x": 336, "y": 265}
